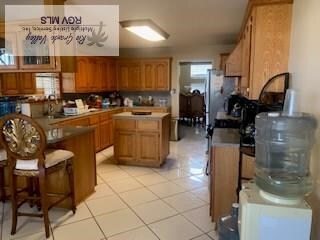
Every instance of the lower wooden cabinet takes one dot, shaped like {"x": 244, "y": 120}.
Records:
{"x": 224, "y": 172}
{"x": 126, "y": 145}
{"x": 148, "y": 146}
{"x": 142, "y": 141}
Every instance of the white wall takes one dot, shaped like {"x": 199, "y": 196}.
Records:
{"x": 304, "y": 64}
{"x": 184, "y": 54}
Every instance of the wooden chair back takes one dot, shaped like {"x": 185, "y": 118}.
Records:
{"x": 23, "y": 138}
{"x": 197, "y": 105}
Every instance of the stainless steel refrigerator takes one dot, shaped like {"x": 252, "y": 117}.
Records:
{"x": 217, "y": 89}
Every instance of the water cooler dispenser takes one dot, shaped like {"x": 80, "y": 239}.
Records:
{"x": 273, "y": 206}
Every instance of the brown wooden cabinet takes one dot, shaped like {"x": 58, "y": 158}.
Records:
{"x": 162, "y": 75}
{"x": 142, "y": 141}
{"x": 18, "y": 83}
{"x": 144, "y": 74}
{"x": 265, "y": 40}
{"x": 271, "y": 29}
{"x": 112, "y": 75}
{"x": 224, "y": 171}
{"x": 93, "y": 74}
{"x": 126, "y": 145}
{"x": 148, "y": 146}
{"x": 223, "y": 180}
{"x": 233, "y": 63}
{"x": 27, "y": 83}
{"x": 129, "y": 75}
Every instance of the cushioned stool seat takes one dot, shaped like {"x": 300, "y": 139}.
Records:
{"x": 52, "y": 158}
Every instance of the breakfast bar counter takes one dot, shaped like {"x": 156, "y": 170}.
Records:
{"x": 80, "y": 141}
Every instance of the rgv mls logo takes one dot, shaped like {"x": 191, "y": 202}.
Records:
{"x": 65, "y": 30}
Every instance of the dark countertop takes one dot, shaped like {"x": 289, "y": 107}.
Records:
{"x": 58, "y": 134}
{"x": 223, "y": 137}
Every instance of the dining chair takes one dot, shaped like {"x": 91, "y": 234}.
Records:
{"x": 25, "y": 143}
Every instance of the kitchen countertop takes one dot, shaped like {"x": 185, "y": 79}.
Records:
{"x": 130, "y": 115}
{"x": 223, "y": 137}
{"x": 45, "y": 121}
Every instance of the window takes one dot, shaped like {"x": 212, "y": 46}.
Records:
{"x": 199, "y": 70}
{"x": 48, "y": 83}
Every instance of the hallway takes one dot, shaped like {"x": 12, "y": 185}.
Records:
{"x": 136, "y": 203}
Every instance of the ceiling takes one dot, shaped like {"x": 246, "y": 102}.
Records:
{"x": 189, "y": 22}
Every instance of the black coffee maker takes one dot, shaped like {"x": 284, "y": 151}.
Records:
{"x": 234, "y": 103}
{"x": 269, "y": 101}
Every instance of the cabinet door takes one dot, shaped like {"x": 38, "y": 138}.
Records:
{"x": 125, "y": 145}
{"x": 27, "y": 83}
{"x": 162, "y": 75}
{"x": 102, "y": 71}
{"x": 94, "y": 79}
{"x": 134, "y": 79}
{"x": 233, "y": 64}
{"x": 8, "y": 59}
{"x": 10, "y": 84}
{"x": 246, "y": 50}
{"x": 104, "y": 134}
{"x": 271, "y": 28}
{"x": 38, "y": 56}
{"x": 123, "y": 76}
{"x": 112, "y": 74}
{"x": 82, "y": 75}
{"x": 148, "y": 147}
{"x": 148, "y": 75}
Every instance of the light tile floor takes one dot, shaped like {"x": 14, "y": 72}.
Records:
{"x": 135, "y": 203}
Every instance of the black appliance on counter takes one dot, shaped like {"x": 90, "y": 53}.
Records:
{"x": 269, "y": 101}
{"x": 233, "y": 102}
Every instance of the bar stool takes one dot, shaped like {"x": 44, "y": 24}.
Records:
{"x": 25, "y": 142}
{"x": 3, "y": 163}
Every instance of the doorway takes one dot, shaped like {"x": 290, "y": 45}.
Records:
{"x": 192, "y": 81}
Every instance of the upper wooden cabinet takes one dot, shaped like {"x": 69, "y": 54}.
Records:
{"x": 144, "y": 74}
{"x": 16, "y": 45}
{"x": 265, "y": 40}
{"x": 18, "y": 83}
{"x": 92, "y": 74}
{"x": 271, "y": 42}
{"x": 233, "y": 63}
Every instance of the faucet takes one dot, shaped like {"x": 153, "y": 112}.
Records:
{"x": 51, "y": 101}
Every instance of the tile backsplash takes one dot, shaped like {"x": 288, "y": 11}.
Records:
{"x": 156, "y": 96}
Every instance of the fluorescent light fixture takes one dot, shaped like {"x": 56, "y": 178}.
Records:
{"x": 146, "y": 29}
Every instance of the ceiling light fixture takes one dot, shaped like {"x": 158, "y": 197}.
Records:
{"x": 146, "y": 29}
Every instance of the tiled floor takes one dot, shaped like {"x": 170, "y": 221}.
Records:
{"x": 135, "y": 203}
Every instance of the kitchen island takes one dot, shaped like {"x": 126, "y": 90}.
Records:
{"x": 141, "y": 140}
{"x": 80, "y": 141}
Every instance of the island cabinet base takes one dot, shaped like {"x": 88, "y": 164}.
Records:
{"x": 141, "y": 140}
{"x": 84, "y": 167}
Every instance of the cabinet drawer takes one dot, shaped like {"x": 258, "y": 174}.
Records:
{"x": 104, "y": 116}
{"x": 126, "y": 124}
{"x": 76, "y": 122}
{"x": 94, "y": 120}
{"x": 148, "y": 125}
